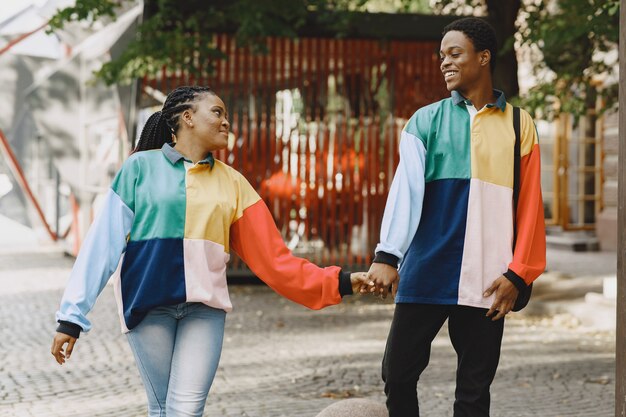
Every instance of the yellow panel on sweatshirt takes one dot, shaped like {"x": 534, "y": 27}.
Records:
{"x": 215, "y": 199}
{"x": 493, "y": 141}
{"x": 492, "y": 146}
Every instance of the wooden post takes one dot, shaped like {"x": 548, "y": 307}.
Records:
{"x": 620, "y": 348}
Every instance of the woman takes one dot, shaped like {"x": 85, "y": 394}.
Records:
{"x": 164, "y": 234}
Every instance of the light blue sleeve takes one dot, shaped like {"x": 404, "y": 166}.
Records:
{"x": 404, "y": 202}
{"x": 97, "y": 259}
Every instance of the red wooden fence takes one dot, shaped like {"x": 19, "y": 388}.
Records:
{"x": 316, "y": 124}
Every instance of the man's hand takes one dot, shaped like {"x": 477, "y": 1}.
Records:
{"x": 59, "y": 340}
{"x": 383, "y": 276}
{"x": 506, "y": 294}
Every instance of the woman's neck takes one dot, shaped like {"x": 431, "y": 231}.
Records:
{"x": 190, "y": 150}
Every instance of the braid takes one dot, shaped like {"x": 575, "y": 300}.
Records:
{"x": 160, "y": 127}
{"x": 154, "y": 134}
{"x": 180, "y": 100}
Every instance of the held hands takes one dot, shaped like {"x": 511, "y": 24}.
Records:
{"x": 60, "y": 339}
{"x": 365, "y": 283}
{"x": 383, "y": 276}
{"x": 506, "y": 294}
{"x": 360, "y": 283}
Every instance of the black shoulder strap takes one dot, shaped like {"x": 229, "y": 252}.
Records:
{"x": 516, "y": 169}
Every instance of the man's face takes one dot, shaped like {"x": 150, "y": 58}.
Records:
{"x": 461, "y": 65}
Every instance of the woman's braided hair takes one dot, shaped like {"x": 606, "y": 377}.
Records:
{"x": 160, "y": 127}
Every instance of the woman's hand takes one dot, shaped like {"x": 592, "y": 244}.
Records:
{"x": 60, "y": 339}
{"x": 360, "y": 283}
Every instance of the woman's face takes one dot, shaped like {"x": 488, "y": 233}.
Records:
{"x": 210, "y": 122}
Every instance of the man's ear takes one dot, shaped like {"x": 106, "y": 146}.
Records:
{"x": 485, "y": 57}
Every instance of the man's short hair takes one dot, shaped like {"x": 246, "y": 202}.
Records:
{"x": 481, "y": 33}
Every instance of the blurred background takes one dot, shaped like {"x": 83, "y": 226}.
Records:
{"x": 318, "y": 92}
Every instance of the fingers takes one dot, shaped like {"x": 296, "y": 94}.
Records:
{"x": 361, "y": 283}
{"x": 490, "y": 290}
{"x": 500, "y": 315}
{"x": 496, "y": 313}
{"x": 367, "y": 287}
{"x": 505, "y": 295}
{"x": 356, "y": 277}
{"x": 496, "y": 308}
{"x": 384, "y": 278}
{"x": 383, "y": 290}
{"x": 499, "y": 309}
{"x": 56, "y": 350}
{"x": 70, "y": 347}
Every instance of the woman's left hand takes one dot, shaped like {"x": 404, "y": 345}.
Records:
{"x": 361, "y": 284}
{"x": 60, "y": 339}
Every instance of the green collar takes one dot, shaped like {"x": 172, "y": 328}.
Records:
{"x": 174, "y": 156}
{"x": 457, "y": 98}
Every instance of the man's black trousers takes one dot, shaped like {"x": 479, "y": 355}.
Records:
{"x": 475, "y": 338}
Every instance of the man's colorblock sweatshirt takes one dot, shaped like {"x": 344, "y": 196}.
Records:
{"x": 448, "y": 220}
{"x": 165, "y": 233}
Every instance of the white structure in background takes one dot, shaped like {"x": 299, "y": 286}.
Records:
{"x": 68, "y": 131}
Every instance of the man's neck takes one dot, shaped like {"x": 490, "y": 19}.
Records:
{"x": 481, "y": 99}
{"x": 480, "y": 96}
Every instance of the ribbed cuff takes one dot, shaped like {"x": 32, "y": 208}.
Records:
{"x": 386, "y": 258}
{"x": 69, "y": 328}
{"x": 345, "y": 285}
{"x": 516, "y": 280}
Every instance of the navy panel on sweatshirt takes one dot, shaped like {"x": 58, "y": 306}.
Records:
{"x": 152, "y": 275}
{"x": 430, "y": 270}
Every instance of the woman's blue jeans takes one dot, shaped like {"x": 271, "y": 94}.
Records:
{"x": 177, "y": 349}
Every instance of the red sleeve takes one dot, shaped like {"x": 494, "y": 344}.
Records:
{"x": 255, "y": 238}
{"x": 529, "y": 258}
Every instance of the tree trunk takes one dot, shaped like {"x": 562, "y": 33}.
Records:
{"x": 502, "y": 15}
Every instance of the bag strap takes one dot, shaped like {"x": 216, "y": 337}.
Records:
{"x": 516, "y": 169}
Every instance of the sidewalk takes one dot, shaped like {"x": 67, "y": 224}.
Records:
{"x": 581, "y": 284}
{"x": 281, "y": 359}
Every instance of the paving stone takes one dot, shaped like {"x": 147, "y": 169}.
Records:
{"x": 281, "y": 359}
{"x": 355, "y": 407}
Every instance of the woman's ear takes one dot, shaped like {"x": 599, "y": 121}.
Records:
{"x": 186, "y": 117}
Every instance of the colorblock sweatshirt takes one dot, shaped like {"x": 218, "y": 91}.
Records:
{"x": 165, "y": 233}
{"x": 448, "y": 220}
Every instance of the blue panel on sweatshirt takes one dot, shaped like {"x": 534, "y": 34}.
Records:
{"x": 152, "y": 275}
{"x": 431, "y": 268}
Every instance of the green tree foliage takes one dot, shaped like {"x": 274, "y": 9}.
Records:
{"x": 573, "y": 37}
{"x": 180, "y": 35}
{"x": 84, "y": 10}
{"x": 570, "y": 34}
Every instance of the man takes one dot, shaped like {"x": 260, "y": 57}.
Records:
{"x": 449, "y": 222}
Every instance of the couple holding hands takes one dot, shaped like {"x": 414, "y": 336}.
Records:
{"x": 462, "y": 235}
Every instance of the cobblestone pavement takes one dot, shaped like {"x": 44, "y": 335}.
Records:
{"x": 280, "y": 359}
